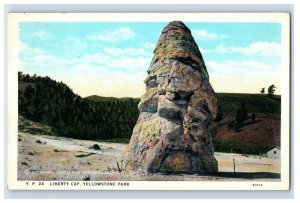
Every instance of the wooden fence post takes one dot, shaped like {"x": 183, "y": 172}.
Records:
{"x": 234, "y": 167}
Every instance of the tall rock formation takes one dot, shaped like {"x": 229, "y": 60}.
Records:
{"x": 172, "y": 132}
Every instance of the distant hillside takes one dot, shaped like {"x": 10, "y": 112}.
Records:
{"x": 259, "y": 103}
{"x": 229, "y": 102}
{"x": 46, "y": 101}
{"x": 35, "y": 128}
{"x": 53, "y": 103}
{"x": 253, "y": 137}
{"x": 96, "y": 98}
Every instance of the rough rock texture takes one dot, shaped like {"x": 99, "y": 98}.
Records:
{"x": 172, "y": 132}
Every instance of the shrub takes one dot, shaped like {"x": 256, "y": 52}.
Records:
{"x": 96, "y": 147}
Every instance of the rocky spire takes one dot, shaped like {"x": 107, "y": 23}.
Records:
{"x": 172, "y": 131}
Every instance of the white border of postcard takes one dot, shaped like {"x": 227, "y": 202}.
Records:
{"x": 13, "y": 52}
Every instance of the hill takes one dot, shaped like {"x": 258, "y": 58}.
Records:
{"x": 54, "y": 104}
{"x": 229, "y": 102}
{"x": 96, "y": 98}
{"x": 259, "y": 103}
{"x": 253, "y": 136}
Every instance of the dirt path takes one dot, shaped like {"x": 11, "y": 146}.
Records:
{"x": 42, "y": 157}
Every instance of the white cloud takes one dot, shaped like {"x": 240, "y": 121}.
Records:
{"x": 122, "y": 33}
{"x": 221, "y": 49}
{"x": 46, "y": 63}
{"x": 139, "y": 64}
{"x": 268, "y": 49}
{"x": 204, "y": 35}
{"x": 22, "y": 46}
{"x": 203, "y": 50}
{"x": 121, "y": 71}
{"x": 96, "y": 73}
{"x": 243, "y": 76}
{"x": 107, "y": 84}
{"x": 84, "y": 68}
{"x": 146, "y": 49}
{"x": 237, "y": 66}
{"x": 73, "y": 43}
{"x": 108, "y": 79}
{"x": 128, "y": 51}
{"x": 149, "y": 46}
{"x": 98, "y": 58}
{"x": 25, "y": 49}
{"x": 261, "y": 48}
{"x": 42, "y": 34}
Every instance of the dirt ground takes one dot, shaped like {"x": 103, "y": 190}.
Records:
{"x": 42, "y": 157}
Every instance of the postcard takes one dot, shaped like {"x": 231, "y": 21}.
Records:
{"x": 148, "y": 101}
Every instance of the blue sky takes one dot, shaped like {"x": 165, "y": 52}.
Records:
{"x": 111, "y": 59}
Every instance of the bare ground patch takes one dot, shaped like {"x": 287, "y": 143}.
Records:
{"x": 58, "y": 158}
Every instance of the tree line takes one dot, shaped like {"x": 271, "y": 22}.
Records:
{"x": 54, "y": 103}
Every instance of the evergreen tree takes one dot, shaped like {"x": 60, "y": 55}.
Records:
{"x": 219, "y": 116}
{"x": 271, "y": 90}
{"x": 241, "y": 114}
{"x": 53, "y": 103}
{"x": 29, "y": 92}
{"x": 253, "y": 117}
